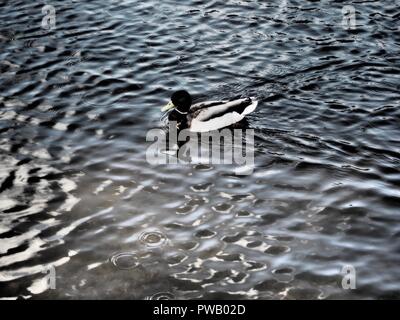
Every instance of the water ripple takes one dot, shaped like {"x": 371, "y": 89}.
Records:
{"x": 77, "y": 101}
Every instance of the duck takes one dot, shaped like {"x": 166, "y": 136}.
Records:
{"x": 208, "y": 115}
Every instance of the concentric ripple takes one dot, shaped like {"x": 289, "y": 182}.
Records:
{"x": 124, "y": 260}
{"x": 161, "y": 296}
{"x": 153, "y": 239}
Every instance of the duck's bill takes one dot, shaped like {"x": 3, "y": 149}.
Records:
{"x": 169, "y": 106}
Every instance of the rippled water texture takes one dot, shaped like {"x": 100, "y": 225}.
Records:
{"x": 76, "y": 192}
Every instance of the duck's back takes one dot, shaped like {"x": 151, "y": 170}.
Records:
{"x": 214, "y": 115}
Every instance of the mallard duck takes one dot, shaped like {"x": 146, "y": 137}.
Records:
{"x": 208, "y": 115}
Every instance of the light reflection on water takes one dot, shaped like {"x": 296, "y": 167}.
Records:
{"x": 76, "y": 191}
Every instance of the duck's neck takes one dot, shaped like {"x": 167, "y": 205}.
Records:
{"x": 181, "y": 112}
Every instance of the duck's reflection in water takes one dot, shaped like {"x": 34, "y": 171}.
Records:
{"x": 230, "y": 146}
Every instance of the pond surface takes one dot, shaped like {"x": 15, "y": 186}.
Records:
{"x": 78, "y": 196}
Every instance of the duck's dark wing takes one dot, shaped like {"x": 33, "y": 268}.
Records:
{"x": 206, "y": 104}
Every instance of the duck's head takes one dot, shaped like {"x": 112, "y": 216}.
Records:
{"x": 180, "y": 100}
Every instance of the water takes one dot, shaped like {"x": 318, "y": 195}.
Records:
{"x": 76, "y": 192}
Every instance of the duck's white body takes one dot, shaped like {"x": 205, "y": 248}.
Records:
{"x": 214, "y": 115}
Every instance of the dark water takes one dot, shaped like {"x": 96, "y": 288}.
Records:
{"x": 76, "y": 192}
